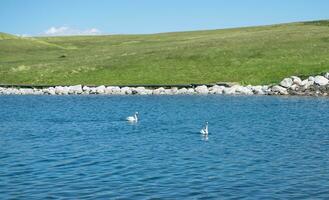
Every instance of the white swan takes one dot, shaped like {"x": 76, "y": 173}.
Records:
{"x": 133, "y": 118}
{"x": 204, "y": 130}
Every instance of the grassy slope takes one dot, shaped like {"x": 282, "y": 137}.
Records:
{"x": 255, "y": 55}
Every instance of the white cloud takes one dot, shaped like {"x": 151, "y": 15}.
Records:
{"x": 65, "y": 30}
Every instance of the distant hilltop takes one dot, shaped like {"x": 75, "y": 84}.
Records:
{"x": 249, "y": 55}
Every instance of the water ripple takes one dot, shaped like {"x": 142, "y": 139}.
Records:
{"x": 80, "y": 147}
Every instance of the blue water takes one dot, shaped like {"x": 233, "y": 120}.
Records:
{"x": 81, "y": 147}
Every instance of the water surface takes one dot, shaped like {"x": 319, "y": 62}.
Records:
{"x": 81, "y": 147}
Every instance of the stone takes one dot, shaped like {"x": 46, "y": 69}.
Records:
{"x": 202, "y": 89}
{"x": 304, "y": 82}
{"x": 308, "y": 84}
{"x": 93, "y": 90}
{"x": 51, "y": 91}
{"x": 23, "y": 91}
{"x": 265, "y": 87}
{"x": 85, "y": 89}
{"x": 216, "y": 89}
{"x": 258, "y": 90}
{"x": 66, "y": 90}
{"x": 182, "y": 91}
{"x": 140, "y": 91}
{"x": 116, "y": 90}
{"x": 321, "y": 80}
{"x": 108, "y": 90}
{"x": 167, "y": 92}
{"x": 174, "y": 90}
{"x": 326, "y": 75}
{"x": 311, "y": 78}
{"x": 37, "y": 91}
{"x": 287, "y": 82}
{"x": 75, "y": 89}
{"x": 158, "y": 91}
{"x": 134, "y": 91}
{"x": 190, "y": 91}
{"x": 229, "y": 90}
{"x": 294, "y": 87}
{"x": 243, "y": 90}
{"x": 112, "y": 90}
{"x": 100, "y": 89}
{"x": 126, "y": 90}
{"x": 61, "y": 90}
{"x": 296, "y": 80}
{"x": 279, "y": 90}
{"x": 148, "y": 92}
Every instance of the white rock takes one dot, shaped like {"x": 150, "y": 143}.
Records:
{"x": 126, "y": 90}
{"x": 167, "y": 92}
{"x": 75, "y": 89}
{"x": 320, "y": 80}
{"x": 133, "y": 90}
{"x": 66, "y": 90}
{"x": 112, "y": 90}
{"x": 308, "y": 84}
{"x": 58, "y": 89}
{"x": 182, "y": 91}
{"x": 296, "y": 80}
{"x": 229, "y": 90}
{"x": 158, "y": 91}
{"x": 202, "y": 89}
{"x": 100, "y": 89}
{"x": 92, "y": 90}
{"x": 294, "y": 87}
{"x": 327, "y": 75}
{"x": 258, "y": 90}
{"x": 51, "y": 91}
{"x": 17, "y": 91}
{"x": 311, "y": 78}
{"x": 108, "y": 90}
{"x": 45, "y": 90}
{"x": 37, "y": 91}
{"x": 244, "y": 90}
{"x": 116, "y": 90}
{"x": 190, "y": 91}
{"x": 287, "y": 82}
{"x": 7, "y": 91}
{"x": 140, "y": 91}
{"x": 304, "y": 82}
{"x": 216, "y": 89}
{"x": 86, "y": 89}
{"x": 265, "y": 87}
{"x": 148, "y": 91}
{"x": 62, "y": 90}
{"x": 174, "y": 90}
{"x": 279, "y": 90}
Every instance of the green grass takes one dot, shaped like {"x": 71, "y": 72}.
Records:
{"x": 253, "y": 55}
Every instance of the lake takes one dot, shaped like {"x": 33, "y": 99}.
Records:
{"x": 81, "y": 147}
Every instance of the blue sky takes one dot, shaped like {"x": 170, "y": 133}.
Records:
{"x": 56, "y": 17}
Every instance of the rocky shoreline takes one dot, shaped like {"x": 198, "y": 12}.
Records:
{"x": 312, "y": 86}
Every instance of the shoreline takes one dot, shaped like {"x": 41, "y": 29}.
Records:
{"x": 292, "y": 86}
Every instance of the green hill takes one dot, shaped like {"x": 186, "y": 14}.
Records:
{"x": 5, "y": 36}
{"x": 253, "y": 55}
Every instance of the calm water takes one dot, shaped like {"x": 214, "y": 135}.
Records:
{"x": 80, "y": 147}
